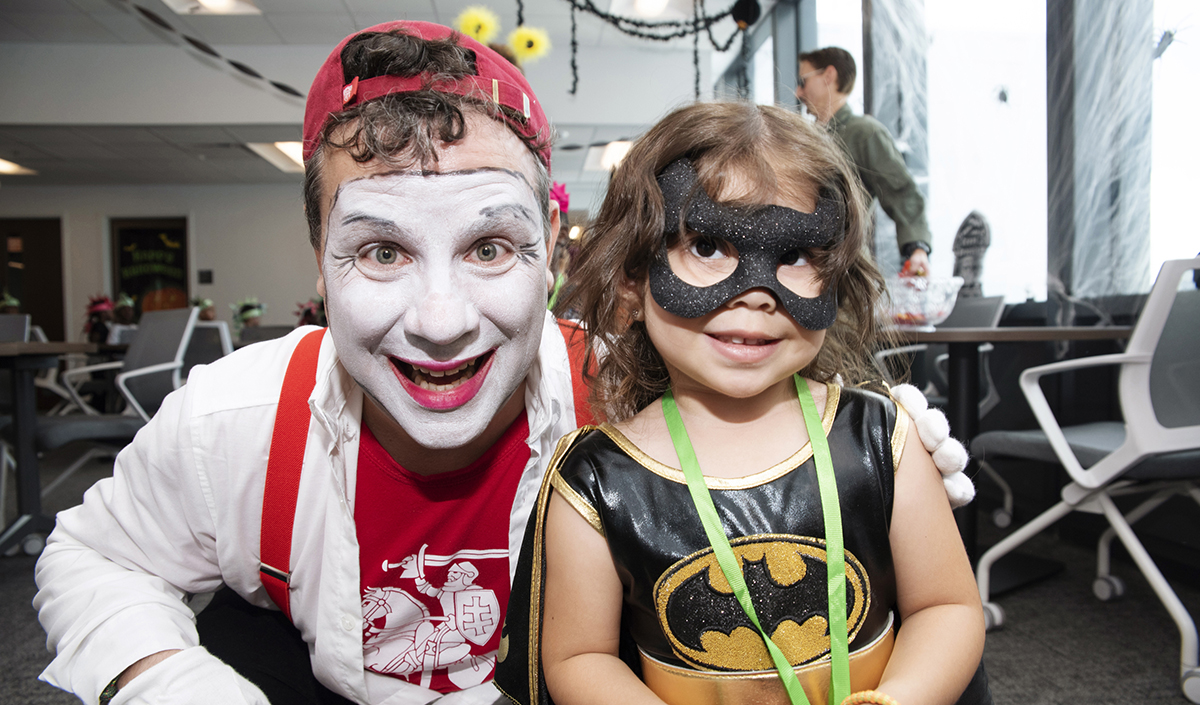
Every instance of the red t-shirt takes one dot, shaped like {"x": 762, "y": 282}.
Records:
{"x": 435, "y": 571}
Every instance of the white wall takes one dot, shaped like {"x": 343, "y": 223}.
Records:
{"x": 254, "y": 238}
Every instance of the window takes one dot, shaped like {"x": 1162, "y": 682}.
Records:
{"x": 1175, "y": 150}
{"x": 987, "y": 137}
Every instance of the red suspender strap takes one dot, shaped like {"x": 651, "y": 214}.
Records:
{"x": 574, "y": 337}
{"x": 288, "y": 441}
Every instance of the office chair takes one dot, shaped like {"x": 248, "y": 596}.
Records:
{"x": 1155, "y": 451}
{"x": 14, "y": 328}
{"x": 151, "y": 370}
{"x": 210, "y": 342}
{"x": 257, "y": 334}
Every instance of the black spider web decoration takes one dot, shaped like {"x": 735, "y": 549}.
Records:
{"x": 654, "y": 30}
{"x": 202, "y": 47}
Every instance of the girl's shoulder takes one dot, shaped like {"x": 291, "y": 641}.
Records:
{"x": 874, "y": 403}
{"x": 581, "y": 453}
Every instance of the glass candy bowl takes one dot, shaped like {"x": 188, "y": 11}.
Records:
{"x": 920, "y": 303}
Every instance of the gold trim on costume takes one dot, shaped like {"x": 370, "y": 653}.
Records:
{"x": 776, "y": 471}
{"x": 577, "y": 502}
{"x": 535, "y": 582}
{"x": 683, "y": 686}
{"x": 899, "y": 436}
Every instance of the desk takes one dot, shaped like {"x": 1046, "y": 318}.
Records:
{"x": 963, "y": 378}
{"x": 24, "y": 360}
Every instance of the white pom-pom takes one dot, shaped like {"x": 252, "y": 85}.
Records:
{"x": 933, "y": 428}
{"x": 959, "y": 489}
{"x": 950, "y": 457}
{"x": 910, "y": 398}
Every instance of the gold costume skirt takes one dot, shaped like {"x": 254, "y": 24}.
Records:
{"x": 683, "y": 686}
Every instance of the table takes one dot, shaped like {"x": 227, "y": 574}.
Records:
{"x": 963, "y": 414}
{"x": 24, "y": 360}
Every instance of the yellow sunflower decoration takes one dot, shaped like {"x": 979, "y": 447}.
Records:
{"x": 478, "y": 23}
{"x": 529, "y": 43}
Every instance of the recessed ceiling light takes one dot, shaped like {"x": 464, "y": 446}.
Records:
{"x": 606, "y": 157}
{"x": 12, "y": 169}
{"x": 284, "y": 156}
{"x": 213, "y": 7}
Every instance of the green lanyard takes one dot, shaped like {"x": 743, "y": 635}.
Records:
{"x": 834, "y": 549}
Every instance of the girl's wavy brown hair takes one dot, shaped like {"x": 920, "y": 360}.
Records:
{"x": 767, "y": 153}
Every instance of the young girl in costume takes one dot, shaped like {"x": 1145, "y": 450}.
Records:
{"x": 671, "y": 542}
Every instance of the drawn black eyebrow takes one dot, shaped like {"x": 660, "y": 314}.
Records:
{"x": 528, "y": 252}
{"x": 379, "y": 223}
{"x": 515, "y": 208}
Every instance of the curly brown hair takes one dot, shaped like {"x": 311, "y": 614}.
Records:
{"x": 405, "y": 129}
{"x": 779, "y": 154}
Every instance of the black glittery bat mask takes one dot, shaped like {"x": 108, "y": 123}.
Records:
{"x": 762, "y": 237}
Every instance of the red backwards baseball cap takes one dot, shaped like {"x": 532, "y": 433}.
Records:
{"x": 497, "y": 80}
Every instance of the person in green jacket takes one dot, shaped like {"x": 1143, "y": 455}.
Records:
{"x": 825, "y": 82}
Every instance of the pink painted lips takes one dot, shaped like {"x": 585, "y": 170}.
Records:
{"x": 439, "y": 385}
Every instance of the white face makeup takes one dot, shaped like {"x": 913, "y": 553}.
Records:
{"x": 435, "y": 286}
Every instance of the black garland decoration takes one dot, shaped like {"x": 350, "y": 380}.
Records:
{"x": 662, "y": 30}
{"x": 574, "y": 50}
{"x": 696, "y": 47}
{"x": 155, "y": 19}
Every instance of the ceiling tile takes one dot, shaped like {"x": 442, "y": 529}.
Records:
{"x": 39, "y": 6}
{"x": 80, "y": 150}
{"x": 608, "y": 133}
{"x": 274, "y": 7}
{"x": 71, "y": 26}
{"x": 21, "y": 153}
{"x": 234, "y": 29}
{"x": 264, "y": 133}
{"x": 571, "y": 134}
{"x": 388, "y": 7}
{"x": 362, "y": 20}
{"x": 137, "y": 151}
{"x": 132, "y": 29}
{"x": 312, "y": 28}
{"x": 11, "y": 33}
{"x": 119, "y": 135}
{"x": 107, "y": 6}
{"x": 192, "y": 135}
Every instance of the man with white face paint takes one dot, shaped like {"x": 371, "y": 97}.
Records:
{"x": 321, "y": 484}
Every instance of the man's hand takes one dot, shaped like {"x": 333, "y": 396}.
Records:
{"x": 917, "y": 264}
{"x": 141, "y": 666}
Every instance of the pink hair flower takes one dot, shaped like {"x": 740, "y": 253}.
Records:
{"x": 558, "y": 194}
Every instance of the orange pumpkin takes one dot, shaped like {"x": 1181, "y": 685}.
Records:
{"x": 164, "y": 298}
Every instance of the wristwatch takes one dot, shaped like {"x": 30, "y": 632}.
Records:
{"x": 109, "y": 692}
{"x": 907, "y": 248}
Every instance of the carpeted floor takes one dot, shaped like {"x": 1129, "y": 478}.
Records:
{"x": 1059, "y": 644}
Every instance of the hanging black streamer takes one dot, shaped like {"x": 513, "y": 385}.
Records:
{"x": 574, "y": 50}
{"x": 655, "y": 30}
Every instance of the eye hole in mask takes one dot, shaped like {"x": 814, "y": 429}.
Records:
{"x": 704, "y": 261}
{"x": 726, "y": 251}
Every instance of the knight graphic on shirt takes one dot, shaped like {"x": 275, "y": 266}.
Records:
{"x": 432, "y": 609}
{"x": 401, "y": 636}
